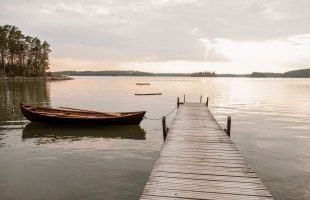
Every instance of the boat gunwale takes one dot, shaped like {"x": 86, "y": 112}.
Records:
{"x": 127, "y": 114}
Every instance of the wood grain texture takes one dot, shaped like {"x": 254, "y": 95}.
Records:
{"x": 199, "y": 161}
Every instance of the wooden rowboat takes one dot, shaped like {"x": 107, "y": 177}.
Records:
{"x": 79, "y": 117}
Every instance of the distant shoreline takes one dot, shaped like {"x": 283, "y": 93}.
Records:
{"x": 64, "y": 75}
{"x": 218, "y": 76}
{"x": 302, "y": 73}
{"x": 186, "y": 76}
{"x": 47, "y": 78}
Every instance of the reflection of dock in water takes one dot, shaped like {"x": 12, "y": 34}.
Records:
{"x": 37, "y": 130}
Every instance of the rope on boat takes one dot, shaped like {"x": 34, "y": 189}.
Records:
{"x": 161, "y": 117}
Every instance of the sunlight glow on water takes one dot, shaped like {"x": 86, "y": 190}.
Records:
{"x": 270, "y": 125}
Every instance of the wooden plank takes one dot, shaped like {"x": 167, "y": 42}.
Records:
{"x": 177, "y": 143}
{"x": 205, "y": 177}
{"x": 203, "y": 154}
{"x": 203, "y": 157}
{"x": 207, "y": 171}
{"x": 207, "y": 160}
{"x": 199, "y": 161}
{"x": 228, "y": 171}
{"x": 203, "y": 164}
{"x": 214, "y": 183}
{"x": 160, "y": 166}
{"x": 149, "y": 197}
{"x": 208, "y": 188}
{"x": 227, "y": 151}
{"x": 200, "y": 195}
{"x": 201, "y": 147}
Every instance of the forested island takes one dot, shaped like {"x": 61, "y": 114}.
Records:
{"x": 203, "y": 74}
{"x": 22, "y": 55}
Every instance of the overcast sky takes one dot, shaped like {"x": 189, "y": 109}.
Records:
{"x": 225, "y": 36}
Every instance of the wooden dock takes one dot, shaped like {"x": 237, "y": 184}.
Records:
{"x": 199, "y": 161}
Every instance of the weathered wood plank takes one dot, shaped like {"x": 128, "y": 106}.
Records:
{"x": 205, "y": 177}
{"x": 199, "y": 161}
{"x": 208, "y": 188}
{"x": 149, "y": 197}
{"x": 201, "y": 148}
{"x": 214, "y": 183}
{"x": 203, "y": 157}
{"x": 201, "y": 168}
{"x": 209, "y": 164}
{"x": 201, "y": 195}
{"x": 207, "y": 171}
{"x": 219, "y": 155}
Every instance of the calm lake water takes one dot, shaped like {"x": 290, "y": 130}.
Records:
{"x": 270, "y": 126}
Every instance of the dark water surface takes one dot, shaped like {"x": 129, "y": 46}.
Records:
{"x": 270, "y": 125}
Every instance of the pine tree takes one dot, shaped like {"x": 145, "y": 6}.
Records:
{"x": 22, "y": 55}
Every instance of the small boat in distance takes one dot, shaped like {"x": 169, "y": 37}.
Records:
{"x": 143, "y": 84}
{"x": 142, "y": 94}
{"x": 79, "y": 117}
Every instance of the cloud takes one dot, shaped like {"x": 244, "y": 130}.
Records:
{"x": 213, "y": 51}
{"x": 265, "y": 10}
{"x": 233, "y": 56}
{"x": 61, "y": 64}
{"x": 114, "y": 32}
{"x": 194, "y": 32}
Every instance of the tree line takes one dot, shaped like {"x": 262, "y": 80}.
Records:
{"x": 116, "y": 73}
{"x": 300, "y": 73}
{"x": 22, "y": 55}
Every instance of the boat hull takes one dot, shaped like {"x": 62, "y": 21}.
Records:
{"x": 132, "y": 119}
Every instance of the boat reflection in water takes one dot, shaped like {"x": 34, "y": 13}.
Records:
{"x": 59, "y": 132}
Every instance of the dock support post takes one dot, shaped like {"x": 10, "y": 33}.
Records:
{"x": 184, "y": 98}
{"x": 165, "y": 130}
{"x": 200, "y": 99}
{"x": 207, "y": 103}
{"x": 228, "y": 127}
{"x": 178, "y": 102}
